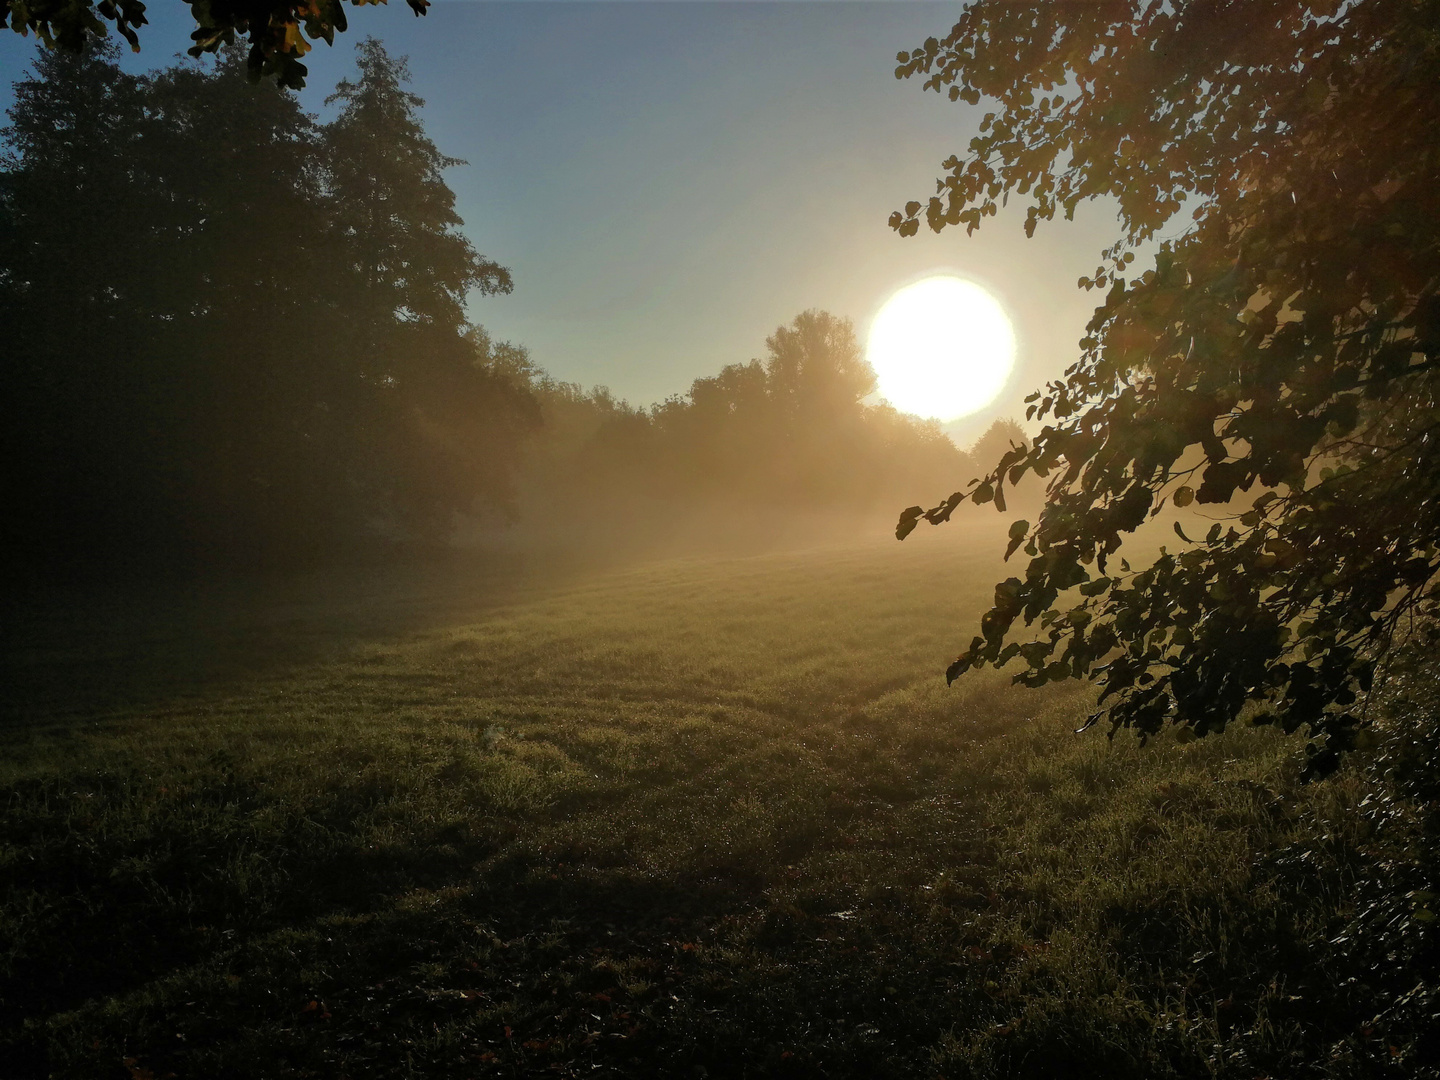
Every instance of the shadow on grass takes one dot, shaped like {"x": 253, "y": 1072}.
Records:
{"x": 82, "y": 650}
{"x": 531, "y": 972}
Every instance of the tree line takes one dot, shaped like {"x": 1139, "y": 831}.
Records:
{"x": 234, "y": 330}
{"x": 230, "y": 325}
{"x": 796, "y": 431}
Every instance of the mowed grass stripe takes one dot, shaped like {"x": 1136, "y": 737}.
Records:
{"x": 713, "y": 813}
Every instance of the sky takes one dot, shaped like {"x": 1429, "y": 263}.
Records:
{"x": 669, "y": 182}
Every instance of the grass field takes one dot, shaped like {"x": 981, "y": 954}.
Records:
{"x": 707, "y": 817}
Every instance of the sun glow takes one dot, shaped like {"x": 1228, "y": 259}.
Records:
{"x": 941, "y": 348}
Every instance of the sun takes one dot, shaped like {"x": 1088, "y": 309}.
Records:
{"x": 941, "y": 348}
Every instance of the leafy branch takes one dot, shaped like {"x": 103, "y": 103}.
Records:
{"x": 1287, "y": 340}
{"x": 280, "y": 32}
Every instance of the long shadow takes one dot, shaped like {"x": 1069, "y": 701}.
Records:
{"x": 614, "y": 973}
{"x": 84, "y": 650}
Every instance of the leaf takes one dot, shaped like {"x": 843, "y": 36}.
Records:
{"x": 1018, "y": 531}
{"x": 941, "y": 513}
{"x": 908, "y": 520}
{"x": 295, "y": 40}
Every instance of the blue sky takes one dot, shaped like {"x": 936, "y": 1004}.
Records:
{"x": 671, "y": 181}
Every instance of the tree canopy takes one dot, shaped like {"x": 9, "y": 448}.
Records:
{"x": 1273, "y": 370}
{"x": 230, "y": 326}
{"x": 280, "y": 32}
{"x": 789, "y": 433}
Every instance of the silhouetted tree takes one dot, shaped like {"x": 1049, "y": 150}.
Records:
{"x": 86, "y": 445}
{"x": 815, "y": 365}
{"x": 791, "y": 431}
{"x": 393, "y": 209}
{"x": 999, "y": 439}
{"x": 174, "y": 383}
{"x": 408, "y": 270}
{"x": 1285, "y": 344}
{"x": 252, "y": 378}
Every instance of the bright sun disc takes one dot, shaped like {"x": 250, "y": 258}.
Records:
{"x": 941, "y": 348}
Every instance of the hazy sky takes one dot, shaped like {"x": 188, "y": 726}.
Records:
{"x": 671, "y": 181}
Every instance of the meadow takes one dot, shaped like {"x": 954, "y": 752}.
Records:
{"x": 706, "y": 816}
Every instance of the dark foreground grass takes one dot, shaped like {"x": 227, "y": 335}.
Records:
{"x": 708, "y": 818}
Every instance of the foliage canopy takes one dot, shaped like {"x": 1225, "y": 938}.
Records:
{"x": 280, "y": 32}
{"x": 231, "y": 327}
{"x": 763, "y": 441}
{"x": 1274, "y": 369}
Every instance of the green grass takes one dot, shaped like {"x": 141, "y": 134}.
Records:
{"x": 709, "y": 817}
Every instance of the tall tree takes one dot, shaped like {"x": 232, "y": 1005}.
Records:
{"x": 174, "y": 385}
{"x": 393, "y": 208}
{"x": 409, "y": 269}
{"x": 1276, "y": 366}
{"x": 253, "y": 372}
{"x": 74, "y": 291}
{"x": 816, "y": 363}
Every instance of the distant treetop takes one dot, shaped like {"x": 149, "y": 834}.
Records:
{"x": 280, "y": 32}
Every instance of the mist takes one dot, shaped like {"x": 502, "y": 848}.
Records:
{"x": 471, "y": 610}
